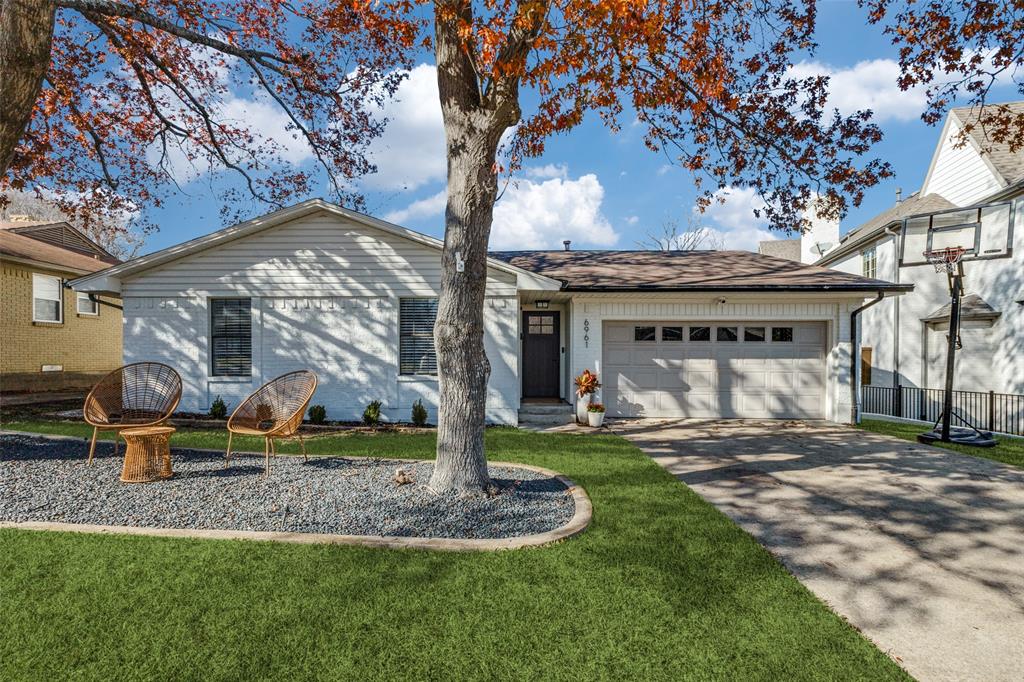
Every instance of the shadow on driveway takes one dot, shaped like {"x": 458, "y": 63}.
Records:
{"x": 920, "y": 548}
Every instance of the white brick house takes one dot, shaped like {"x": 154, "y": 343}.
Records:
{"x": 351, "y": 297}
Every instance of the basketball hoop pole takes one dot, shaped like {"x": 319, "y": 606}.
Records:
{"x": 956, "y": 284}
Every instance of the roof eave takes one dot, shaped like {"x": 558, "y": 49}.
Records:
{"x": 895, "y": 289}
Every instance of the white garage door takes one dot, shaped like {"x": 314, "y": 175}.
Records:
{"x": 714, "y": 369}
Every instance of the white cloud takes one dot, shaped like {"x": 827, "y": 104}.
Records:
{"x": 424, "y": 208}
{"x": 411, "y": 152}
{"x": 538, "y": 215}
{"x": 870, "y": 84}
{"x": 632, "y": 220}
{"x": 734, "y": 220}
{"x": 551, "y": 170}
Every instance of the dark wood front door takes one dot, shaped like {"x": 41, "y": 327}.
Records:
{"x": 541, "y": 354}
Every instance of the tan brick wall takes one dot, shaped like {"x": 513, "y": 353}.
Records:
{"x": 83, "y": 344}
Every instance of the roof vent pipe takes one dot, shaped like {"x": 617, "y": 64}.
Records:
{"x": 899, "y": 195}
{"x": 567, "y": 243}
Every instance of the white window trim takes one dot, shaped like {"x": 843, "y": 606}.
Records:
{"x": 78, "y": 305}
{"x": 869, "y": 256}
{"x": 59, "y": 299}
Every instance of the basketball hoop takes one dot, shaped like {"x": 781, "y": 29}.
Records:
{"x": 945, "y": 260}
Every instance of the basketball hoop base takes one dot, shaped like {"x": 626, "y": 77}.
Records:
{"x": 960, "y": 436}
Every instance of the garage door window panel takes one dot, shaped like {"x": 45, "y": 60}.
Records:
{"x": 644, "y": 334}
{"x": 753, "y": 334}
{"x": 726, "y": 334}
{"x": 671, "y": 333}
{"x": 700, "y": 333}
{"x": 782, "y": 334}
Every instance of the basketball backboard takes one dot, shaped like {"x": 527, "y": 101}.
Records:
{"x": 982, "y": 231}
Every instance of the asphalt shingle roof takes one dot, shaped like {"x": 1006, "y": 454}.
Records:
{"x": 686, "y": 271}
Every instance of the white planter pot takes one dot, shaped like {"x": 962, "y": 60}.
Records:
{"x": 595, "y": 418}
{"x": 581, "y": 409}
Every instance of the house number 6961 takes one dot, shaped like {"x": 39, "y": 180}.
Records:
{"x": 586, "y": 333}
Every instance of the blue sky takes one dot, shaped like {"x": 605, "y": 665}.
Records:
{"x": 605, "y": 190}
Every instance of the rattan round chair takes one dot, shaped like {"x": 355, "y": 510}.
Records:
{"x": 139, "y": 394}
{"x": 275, "y": 411}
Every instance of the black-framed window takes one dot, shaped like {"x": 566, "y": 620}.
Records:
{"x": 783, "y": 334}
{"x": 671, "y": 333}
{"x": 417, "y": 354}
{"x": 700, "y": 333}
{"x": 231, "y": 337}
{"x": 643, "y": 334}
{"x": 726, "y": 334}
{"x": 753, "y": 333}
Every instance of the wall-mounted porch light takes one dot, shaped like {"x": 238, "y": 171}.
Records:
{"x": 542, "y": 304}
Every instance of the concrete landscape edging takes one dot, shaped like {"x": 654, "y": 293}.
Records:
{"x": 576, "y": 525}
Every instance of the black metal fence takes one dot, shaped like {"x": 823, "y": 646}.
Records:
{"x": 990, "y": 411}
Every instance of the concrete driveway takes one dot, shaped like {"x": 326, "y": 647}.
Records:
{"x": 920, "y": 548}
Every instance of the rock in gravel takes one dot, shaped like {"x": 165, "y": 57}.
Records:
{"x": 403, "y": 477}
{"x": 47, "y": 480}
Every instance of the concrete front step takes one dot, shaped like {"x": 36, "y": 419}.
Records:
{"x": 545, "y": 414}
{"x": 545, "y": 419}
{"x": 545, "y": 409}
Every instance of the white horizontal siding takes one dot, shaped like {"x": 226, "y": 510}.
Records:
{"x": 318, "y": 255}
{"x": 351, "y": 344}
{"x": 959, "y": 174}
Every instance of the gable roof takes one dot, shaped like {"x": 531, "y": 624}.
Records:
{"x": 59, "y": 233}
{"x": 972, "y": 307}
{"x": 16, "y": 246}
{"x": 109, "y": 279}
{"x": 687, "y": 271}
{"x": 871, "y": 228}
{"x": 1009, "y": 165}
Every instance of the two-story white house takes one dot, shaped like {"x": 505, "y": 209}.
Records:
{"x": 972, "y": 195}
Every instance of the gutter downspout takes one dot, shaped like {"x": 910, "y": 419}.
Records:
{"x": 895, "y": 233}
{"x": 93, "y": 297}
{"x": 855, "y": 357}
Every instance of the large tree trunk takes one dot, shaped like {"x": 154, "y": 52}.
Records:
{"x": 26, "y": 33}
{"x": 473, "y": 131}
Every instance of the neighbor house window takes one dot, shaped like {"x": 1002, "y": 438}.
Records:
{"x": 869, "y": 262}
{"x": 46, "y": 299}
{"x": 643, "y": 334}
{"x": 783, "y": 334}
{"x": 416, "y": 336}
{"x": 700, "y": 333}
{"x": 671, "y": 333}
{"x": 87, "y": 306}
{"x": 231, "y": 337}
{"x": 726, "y": 334}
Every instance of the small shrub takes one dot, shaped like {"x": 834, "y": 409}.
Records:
{"x": 595, "y": 407}
{"x": 371, "y": 415}
{"x": 218, "y": 410}
{"x": 419, "y": 413}
{"x": 317, "y": 414}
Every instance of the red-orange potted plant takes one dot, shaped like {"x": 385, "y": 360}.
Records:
{"x": 586, "y": 386}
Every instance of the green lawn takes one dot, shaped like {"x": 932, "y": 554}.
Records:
{"x": 661, "y": 586}
{"x": 1008, "y": 451}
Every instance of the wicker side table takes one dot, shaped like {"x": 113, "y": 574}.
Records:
{"x": 147, "y": 456}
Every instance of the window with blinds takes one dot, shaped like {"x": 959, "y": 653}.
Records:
{"x": 416, "y": 336}
{"x": 231, "y": 337}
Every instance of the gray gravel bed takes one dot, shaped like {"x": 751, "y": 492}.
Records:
{"x": 48, "y": 480}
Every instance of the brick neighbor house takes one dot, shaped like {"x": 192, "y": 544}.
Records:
{"x": 50, "y": 337}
